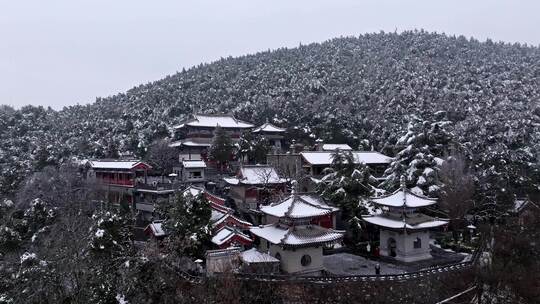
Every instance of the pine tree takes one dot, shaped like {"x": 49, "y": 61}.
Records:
{"x": 347, "y": 184}
{"x": 420, "y": 156}
{"x": 222, "y": 147}
{"x": 110, "y": 247}
{"x": 187, "y": 223}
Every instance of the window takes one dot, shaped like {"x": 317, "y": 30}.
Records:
{"x": 305, "y": 260}
{"x": 195, "y": 174}
{"x": 417, "y": 243}
{"x": 278, "y": 256}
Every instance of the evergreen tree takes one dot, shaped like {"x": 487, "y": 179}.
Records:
{"x": 222, "y": 147}
{"x": 347, "y": 184}
{"x": 110, "y": 247}
{"x": 187, "y": 223}
{"x": 419, "y": 159}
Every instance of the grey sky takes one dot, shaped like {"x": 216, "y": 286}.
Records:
{"x": 63, "y": 52}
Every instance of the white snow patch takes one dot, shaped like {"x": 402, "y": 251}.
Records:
{"x": 28, "y": 256}
{"x": 121, "y": 299}
{"x": 99, "y": 233}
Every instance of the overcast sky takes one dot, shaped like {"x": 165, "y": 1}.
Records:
{"x": 64, "y": 52}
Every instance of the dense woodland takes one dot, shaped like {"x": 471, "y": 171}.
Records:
{"x": 417, "y": 96}
{"x": 343, "y": 90}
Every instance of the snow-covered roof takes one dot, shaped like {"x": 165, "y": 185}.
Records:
{"x": 268, "y": 127}
{"x": 418, "y": 221}
{"x": 298, "y": 206}
{"x": 224, "y": 234}
{"x": 309, "y": 235}
{"x": 193, "y": 164}
{"x": 333, "y": 147}
{"x": 113, "y": 164}
{"x": 216, "y": 215}
{"x": 227, "y": 216}
{"x": 521, "y": 203}
{"x": 232, "y": 180}
{"x": 404, "y": 198}
{"x": 325, "y": 157}
{"x": 214, "y": 120}
{"x": 256, "y": 175}
{"x": 194, "y": 191}
{"x": 254, "y": 256}
{"x": 156, "y": 228}
{"x": 190, "y": 143}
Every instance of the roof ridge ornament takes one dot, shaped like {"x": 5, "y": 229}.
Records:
{"x": 403, "y": 186}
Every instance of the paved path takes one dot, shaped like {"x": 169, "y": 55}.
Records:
{"x": 349, "y": 264}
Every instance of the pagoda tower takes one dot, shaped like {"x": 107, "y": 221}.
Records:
{"x": 404, "y": 232}
{"x": 296, "y": 235}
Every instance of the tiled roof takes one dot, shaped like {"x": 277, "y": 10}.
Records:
{"x": 420, "y": 222}
{"x": 268, "y": 127}
{"x": 254, "y": 256}
{"x": 297, "y": 236}
{"x": 326, "y": 157}
{"x": 226, "y": 233}
{"x": 112, "y": 164}
{"x": 333, "y": 147}
{"x": 156, "y": 229}
{"x": 298, "y": 206}
{"x": 403, "y": 198}
{"x": 256, "y": 175}
{"x": 214, "y": 120}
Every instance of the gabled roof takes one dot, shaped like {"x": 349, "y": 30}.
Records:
{"x": 214, "y": 120}
{"x": 268, "y": 127}
{"x": 298, "y": 206}
{"x": 415, "y": 222}
{"x": 254, "y": 256}
{"x": 156, "y": 229}
{"x": 256, "y": 175}
{"x": 193, "y": 191}
{"x": 116, "y": 164}
{"x": 315, "y": 158}
{"x": 333, "y": 147}
{"x": 216, "y": 215}
{"x": 521, "y": 203}
{"x": 404, "y": 197}
{"x": 297, "y": 236}
{"x": 232, "y": 218}
{"x": 225, "y": 234}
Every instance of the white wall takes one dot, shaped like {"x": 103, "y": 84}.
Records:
{"x": 290, "y": 259}
{"x": 405, "y": 250}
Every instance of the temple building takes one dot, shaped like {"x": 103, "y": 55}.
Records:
{"x": 255, "y": 185}
{"x": 314, "y": 162}
{"x": 117, "y": 180}
{"x": 404, "y": 233}
{"x": 194, "y": 136}
{"x": 191, "y": 171}
{"x": 273, "y": 134}
{"x": 294, "y": 236}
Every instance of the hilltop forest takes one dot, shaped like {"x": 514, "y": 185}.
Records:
{"x": 364, "y": 91}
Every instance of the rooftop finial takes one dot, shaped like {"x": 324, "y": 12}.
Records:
{"x": 403, "y": 183}
{"x": 294, "y": 184}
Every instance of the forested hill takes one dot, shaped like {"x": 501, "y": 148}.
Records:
{"x": 342, "y": 90}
